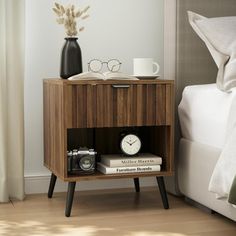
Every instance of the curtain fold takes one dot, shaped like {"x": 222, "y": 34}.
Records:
{"x": 11, "y": 99}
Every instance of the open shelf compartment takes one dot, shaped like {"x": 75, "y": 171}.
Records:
{"x": 106, "y": 141}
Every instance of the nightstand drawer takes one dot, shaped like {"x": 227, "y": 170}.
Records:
{"x": 148, "y": 105}
{"x": 118, "y": 105}
{"x": 113, "y": 105}
{"x": 131, "y": 105}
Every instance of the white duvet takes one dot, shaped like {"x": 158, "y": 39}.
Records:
{"x": 208, "y": 115}
{"x": 204, "y": 114}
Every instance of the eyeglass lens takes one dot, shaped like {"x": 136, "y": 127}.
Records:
{"x": 113, "y": 65}
{"x": 95, "y": 65}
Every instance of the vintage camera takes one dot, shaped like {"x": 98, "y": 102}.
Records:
{"x": 81, "y": 161}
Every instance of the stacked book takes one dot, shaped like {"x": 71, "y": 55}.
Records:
{"x": 118, "y": 164}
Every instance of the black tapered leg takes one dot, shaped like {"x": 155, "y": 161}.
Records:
{"x": 52, "y": 185}
{"x": 70, "y": 197}
{"x": 136, "y": 184}
{"x": 162, "y": 188}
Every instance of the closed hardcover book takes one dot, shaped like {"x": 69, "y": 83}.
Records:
{"x": 143, "y": 159}
{"x": 131, "y": 169}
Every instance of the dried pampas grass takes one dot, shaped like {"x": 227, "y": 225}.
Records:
{"x": 67, "y": 16}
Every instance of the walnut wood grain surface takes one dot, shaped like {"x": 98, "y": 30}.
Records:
{"x": 95, "y": 82}
{"x": 54, "y": 132}
{"x": 99, "y": 105}
{"x": 96, "y": 105}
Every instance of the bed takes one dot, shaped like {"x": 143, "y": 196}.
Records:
{"x": 204, "y": 114}
{"x": 199, "y": 139}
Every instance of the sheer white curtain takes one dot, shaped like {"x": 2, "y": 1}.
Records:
{"x": 11, "y": 99}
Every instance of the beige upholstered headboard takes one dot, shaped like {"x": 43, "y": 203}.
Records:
{"x": 194, "y": 64}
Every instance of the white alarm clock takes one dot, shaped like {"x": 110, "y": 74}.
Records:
{"x": 130, "y": 144}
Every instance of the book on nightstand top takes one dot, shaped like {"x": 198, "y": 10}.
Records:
{"x": 143, "y": 159}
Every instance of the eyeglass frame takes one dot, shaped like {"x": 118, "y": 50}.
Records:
{"x": 103, "y": 62}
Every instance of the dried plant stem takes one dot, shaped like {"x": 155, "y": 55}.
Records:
{"x": 67, "y": 16}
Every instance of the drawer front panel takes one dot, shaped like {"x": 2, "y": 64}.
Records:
{"x": 148, "y": 105}
{"x": 113, "y": 106}
{"x": 136, "y": 105}
{"x": 116, "y": 106}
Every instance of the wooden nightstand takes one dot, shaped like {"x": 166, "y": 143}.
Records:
{"x": 85, "y": 113}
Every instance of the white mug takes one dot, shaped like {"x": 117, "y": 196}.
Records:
{"x": 144, "y": 67}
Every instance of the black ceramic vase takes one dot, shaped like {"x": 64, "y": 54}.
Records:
{"x": 71, "y": 58}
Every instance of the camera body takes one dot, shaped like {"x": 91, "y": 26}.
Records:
{"x": 81, "y": 161}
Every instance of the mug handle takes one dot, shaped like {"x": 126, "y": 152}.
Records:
{"x": 157, "y": 68}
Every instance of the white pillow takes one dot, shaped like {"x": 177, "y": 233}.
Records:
{"x": 219, "y": 35}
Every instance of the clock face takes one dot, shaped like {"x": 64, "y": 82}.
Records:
{"x": 130, "y": 144}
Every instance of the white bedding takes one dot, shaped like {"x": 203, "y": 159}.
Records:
{"x": 225, "y": 169}
{"x": 204, "y": 114}
{"x": 208, "y": 116}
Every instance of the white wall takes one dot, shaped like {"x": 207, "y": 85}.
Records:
{"x": 121, "y": 29}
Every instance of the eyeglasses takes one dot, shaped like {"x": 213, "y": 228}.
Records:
{"x": 96, "y": 65}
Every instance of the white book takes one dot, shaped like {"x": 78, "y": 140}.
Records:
{"x": 143, "y": 159}
{"x": 131, "y": 169}
{"x": 102, "y": 76}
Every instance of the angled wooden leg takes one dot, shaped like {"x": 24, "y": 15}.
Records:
{"x": 70, "y": 197}
{"x": 136, "y": 184}
{"x": 52, "y": 185}
{"x": 161, "y": 185}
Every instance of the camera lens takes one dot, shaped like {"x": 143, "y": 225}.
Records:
{"x": 86, "y": 163}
